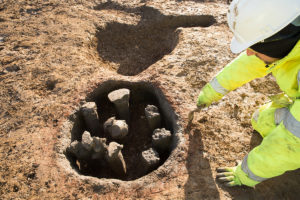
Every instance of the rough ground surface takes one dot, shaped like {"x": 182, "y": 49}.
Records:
{"x": 53, "y": 53}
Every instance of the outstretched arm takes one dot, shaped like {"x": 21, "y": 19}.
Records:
{"x": 240, "y": 71}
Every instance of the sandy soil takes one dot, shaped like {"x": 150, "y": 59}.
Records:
{"x": 54, "y": 53}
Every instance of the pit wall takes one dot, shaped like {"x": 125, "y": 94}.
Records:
{"x": 71, "y": 129}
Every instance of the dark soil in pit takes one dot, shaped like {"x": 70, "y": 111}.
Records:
{"x": 139, "y": 137}
{"x": 135, "y": 47}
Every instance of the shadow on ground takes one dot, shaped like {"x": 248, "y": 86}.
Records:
{"x": 200, "y": 183}
{"x": 136, "y": 47}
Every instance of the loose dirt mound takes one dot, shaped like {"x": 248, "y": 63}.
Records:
{"x": 54, "y": 53}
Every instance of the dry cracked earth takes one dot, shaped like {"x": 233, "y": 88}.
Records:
{"x": 54, "y": 54}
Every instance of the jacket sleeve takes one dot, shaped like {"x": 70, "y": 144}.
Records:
{"x": 279, "y": 151}
{"x": 240, "y": 71}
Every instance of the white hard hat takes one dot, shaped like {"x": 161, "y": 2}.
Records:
{"x": 252, "y": 21}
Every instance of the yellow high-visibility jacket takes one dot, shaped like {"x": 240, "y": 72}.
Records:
{"x": 280, "y": 149}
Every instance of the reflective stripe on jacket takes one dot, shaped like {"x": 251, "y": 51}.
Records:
{"x": 280, "y": 150}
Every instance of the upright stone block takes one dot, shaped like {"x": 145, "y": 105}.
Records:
{"x": 161, "y": 139}
{"x": 115, "y": 158}
{"x": 99, "y": 147}
{"x": 88, "y": 148}
{"x": 120, "y": 98}
{"x": 73, "y": 148}
{"x": 150, "y": 159}
{"x": 153, "y": 116}
{"x": 87, "y": 141}
{"x": 76, "y": 149}
{"x": 117, "y": 129}
{"x": 91, "y": 119}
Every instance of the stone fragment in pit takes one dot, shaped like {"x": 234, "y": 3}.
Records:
{"x": 117, "y": 129}
{"x": 120, "y": 98}
{"x": 153, "y": 116}
{"x": 76, "y": 148}
{"x": 108, "y": 123}
{"x": 87, "y": 141}
{"x": 99, "y": 144}
{"x": 88, "y": 148}
{"x": 91, "y": 119}
{"x": 115, "y": 158}
{"x": 73, "y": 148}
{"x": 150, "y": 159}
{"x": 161, "y": 139}
{"x": 99, "y": 147}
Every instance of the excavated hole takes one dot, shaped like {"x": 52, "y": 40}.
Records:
{"x": 135, "y": 47}
{"x": 139, "y": 137}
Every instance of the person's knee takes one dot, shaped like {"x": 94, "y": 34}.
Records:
{"x": 263, "y": 119}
